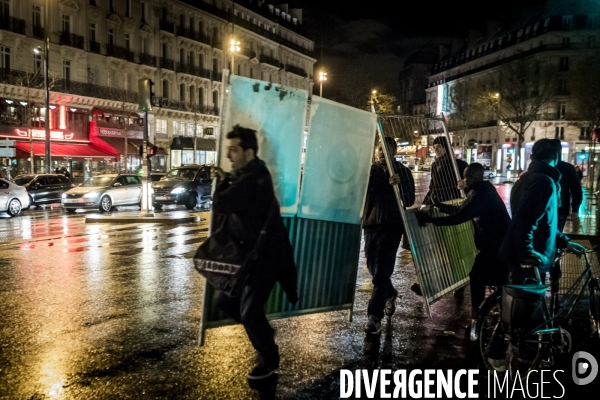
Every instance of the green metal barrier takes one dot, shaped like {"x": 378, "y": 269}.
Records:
{"x": 326, "y": 255}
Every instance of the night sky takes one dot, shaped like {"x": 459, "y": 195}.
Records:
{"x": 369, "y": 41}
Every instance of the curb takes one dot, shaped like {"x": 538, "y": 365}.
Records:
{"x": 146, "y": 220}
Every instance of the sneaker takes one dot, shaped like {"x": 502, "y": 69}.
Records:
{"x": 417, "y": 289}
{"x": 263, "y": 368}
{"x": 390, "y": 305}
{"x": 498, "y": 365}
{"x": 473, "y": 334}
{"x": 373, "y": 326}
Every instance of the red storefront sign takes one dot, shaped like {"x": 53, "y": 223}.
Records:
{"x": 40, "y": 133}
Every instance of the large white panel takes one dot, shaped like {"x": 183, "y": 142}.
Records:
{"x": 338, "y": 160}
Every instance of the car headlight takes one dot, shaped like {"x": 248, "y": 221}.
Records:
{"x": 91, "y": 195}
{"x": 64, "y": 195}
{"x": 178, "y": 190}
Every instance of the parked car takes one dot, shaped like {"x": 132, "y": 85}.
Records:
{"x": 44, "y": 188}
{"x": 156, "y": 176}
{"x": 189, "y": 185}
{"x": 13, "y": 198}
{"x": 104, "y": 192}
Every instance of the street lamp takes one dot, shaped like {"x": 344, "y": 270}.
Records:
{"x": 46, "y": 50}
{"x": 322, "y": 77}
{"x": 234, "y": 47}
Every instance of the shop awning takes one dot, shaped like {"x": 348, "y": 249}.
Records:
{"x": 187, "y": 143}
{"x": 132, "y": 145}
{"x": 64, "y": 150}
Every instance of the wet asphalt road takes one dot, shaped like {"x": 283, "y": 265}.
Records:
{"x": 107, "y": 312}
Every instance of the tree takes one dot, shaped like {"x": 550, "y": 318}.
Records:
{"x": 585, "y": 87}
{"x": 466, "y": 111}
{"x": 385, "y": 104}
{"x": 515, "y": 94}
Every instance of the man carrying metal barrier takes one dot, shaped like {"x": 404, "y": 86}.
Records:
{"x": 443, "y": 180}
{"x": 247, "y": 193}
{"x": 533, "y": 232}
{"x": 383, "y": 227}
{"x": 486, "y": 209}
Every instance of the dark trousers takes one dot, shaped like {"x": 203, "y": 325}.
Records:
{"x": 381, "y": 246}
{"x": 249, "y": 310}
{"x": 562, "y": 220}
{"x": 487, "y": 271}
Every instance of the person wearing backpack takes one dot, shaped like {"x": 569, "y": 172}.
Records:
{"x": 383, "y": 228}
{"x": 486, "y": 209}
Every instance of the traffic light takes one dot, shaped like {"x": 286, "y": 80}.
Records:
{"x": 510, "y": 149}
{"x": 152, "y": 150}
{"x": 145, "y": 94}
{"x": 596, "y": 134}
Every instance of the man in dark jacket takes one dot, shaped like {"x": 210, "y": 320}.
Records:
{"x": 383, "y": 228}
{"x": 443, "y": 177}
{"x": 571, "y": 194}
{"x": 247, "y": 194}
{"x": 486, "y": 209}
{"x": 534, "y": 232}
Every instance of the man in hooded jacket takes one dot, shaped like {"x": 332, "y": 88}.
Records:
{"x": 246, "y": 195}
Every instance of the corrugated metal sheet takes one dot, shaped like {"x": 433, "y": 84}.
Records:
{"x": 326, "y": 255}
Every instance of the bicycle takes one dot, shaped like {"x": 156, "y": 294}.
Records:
{"x": 539, "y": 338}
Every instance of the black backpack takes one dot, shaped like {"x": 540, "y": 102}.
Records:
{"x": 407, "y": 184}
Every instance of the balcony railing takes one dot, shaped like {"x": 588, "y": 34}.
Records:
{"x": 12, "y": 24}
{"x": 119, "y": 52}
{"x": 192, "y": 70}
{"x": 94, "y": 47}
{"x": 269, "y": 60}
{"x": 91, "y": 90}
{"x": 167, "y": 64}
{"x": 167, "y": 26}
{"x": 184, "y": 106}
{"x": 147, "y": 59}
{"x": 247, "y": 52}
{"x": 38, "y": 32}
{"x": 71, "y": 39}
{"x": 296, "y": 70}
{"x": 20, "y": 78}
{"x": 216, "y": 75}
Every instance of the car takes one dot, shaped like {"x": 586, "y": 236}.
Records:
{"x": 156, "y": 176}
{"x": 104, "y": 192}
{"x": 44, "y": 188}
{"x": 13, "y": 198}
{"x": 189, "y": 185}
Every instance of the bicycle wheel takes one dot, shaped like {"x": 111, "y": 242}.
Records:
{"x": 493, "y": 341}
{"x": 501, "y": 351}
{"x": 595, "y": 308}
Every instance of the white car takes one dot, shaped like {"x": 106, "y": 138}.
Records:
{"x": 13, "y": 198}
{"x": 104, "y": 192}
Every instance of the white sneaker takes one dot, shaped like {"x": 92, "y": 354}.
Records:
{"x": 498, "y": 365}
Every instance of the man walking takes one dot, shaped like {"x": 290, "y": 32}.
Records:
{"x": 533, "y": 232}
{"x": 486, "y": 209}
{"x": 443, "y": 178}
{"x": 247, "y": 193}
{"x": 383, "y": 228}
{"x": 571, "y": 194}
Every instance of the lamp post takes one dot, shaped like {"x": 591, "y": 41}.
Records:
{"x": 322, "y": 77}
{"x": 38, "y": 50}
{"x": 234, "y": 47}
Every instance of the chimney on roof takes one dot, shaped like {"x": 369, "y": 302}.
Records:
{"x": 296, "y": 13}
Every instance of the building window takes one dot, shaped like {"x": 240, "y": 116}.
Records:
{"x": 165, "y": 88}
{"x": 161, "y": 126}
{"x": 182, "y": 56}
{"x": 5, "y": 57}
{"x": 567, "y": 22}
{"x": 128, "y": 8}
{"x": 93, "y": 33}
{"x": 165, "y": 51}
{"x": 215, "y": 98}
{"x": 175, "y": 127}
{"x": 110, "y": 77}
{"x": 181, "y": 130}
{"x": 127, "y": 81}
{"x": 566, "y": 42}
{"x": 91, "y": 75}
{"x": 111, "y": 5}
{"x": 564, "y": 63}
{"x": 189, "y": 129}
{"x": 36, "y": 19}
{"x": 66, "y": 23}
{"x": 143, "y": 12}
{"x": 201, "y": 96}
{"x": 67, "y": 70}
{"x": 143, "y": 45}
{"x": 181, "y": 92}
{"x": 562, "y": 110}
{"x": 192, "y": 95}
{"x": 37, "y": 63}
{"x": 128, "y": 42}
{"x": 111, "y": 37}
{"x": 201, "y": 60}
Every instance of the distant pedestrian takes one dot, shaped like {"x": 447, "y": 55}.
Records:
{"x": 383, "y": 229}
{"x": 533, "y": 232}
{"x": 443, "y": 177}
{"x": 486, "y": 209}
{"x": 579, "y": 173}
{"x": 571, "y": 194}
{"x": 247, "y": 193}
{"x": 65, "y": 172}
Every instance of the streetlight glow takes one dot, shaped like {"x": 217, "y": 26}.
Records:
{"x": 234, "y": 47}
{"x": 322, "y": 78}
